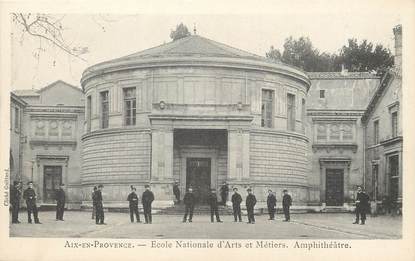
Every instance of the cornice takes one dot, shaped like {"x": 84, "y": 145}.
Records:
{"x": 334, "y": 146}
{"x": 183, "y": 61}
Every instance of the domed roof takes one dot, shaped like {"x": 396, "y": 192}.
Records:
{"x": 194, "y": 45}
{"x": 193, "y": 50}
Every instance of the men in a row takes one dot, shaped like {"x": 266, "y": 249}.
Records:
{"x": 236, "y": 205}
{"x": 250, "y": 204}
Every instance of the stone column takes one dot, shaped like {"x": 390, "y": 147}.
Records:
{"x": 162, "y": 155}
{"x": 238, "y": 155}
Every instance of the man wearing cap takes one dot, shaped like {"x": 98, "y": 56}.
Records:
{"x": 176, "y": 191}
{"x": 60, "y": 202}
{"x": 362, "y": 205}
{"x": 250, "y": 204}
{"x": 99, "y": 215}
{"x": 147, "y": 199}
{"x": 30, "y": 196}
{"x": 286, "y": 203}
{"x": 271, "y": 204}
{"x": 236, "y": 205}
{"x": 213, "y": 203}
{"x": 224, "y": 192}
{"x": 189, "y": 202}
{"x": 133, "y": 204}
{"x": 94, "y": 202}
{"x": 15, "y": 194}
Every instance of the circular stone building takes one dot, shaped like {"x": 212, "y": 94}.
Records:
{"x": 198, "y": 112}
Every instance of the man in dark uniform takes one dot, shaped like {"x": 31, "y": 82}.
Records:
{"x": 99, "y": 215}
{"x": 176, "y": 191}
{"x": 286, "y": 203}
{"x": 362, "y": 205}
{"x": 189, "y": 203}
{"x": 213, "y": 203}
{"x": 30, "y": 196}
{"x": 94, "y": 203}
{"x": 15, "y": 194}
{"x": 236, "y": 205}
{"x": 250, "y": 204}
{"x": 60, "y": 202}
{"x": 147, "y": 199}
{"x": 271, "y": 204}
{"x": 224, "y": 192}
{"x": 133, "y": 203}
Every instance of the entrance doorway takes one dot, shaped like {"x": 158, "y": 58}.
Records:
{"x": 52, "y": 178}
{"x": 334, "y": 187}
{"x": 394, "y": 177}
{"x": 198, "y": 177}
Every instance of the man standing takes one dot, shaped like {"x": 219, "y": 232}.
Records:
{"x": 133, "y": 203}
{"x": 176, "y": 191}
{"x": 213, "y": 203}
{"x": 15, "y": 194}
{"x": 60, "y": 202}
{"x": 250, "y": 204}
{"x": 99, "y": 215}
{"x": 189, "y": 202}
{"x": 94, "y": 203}
{"x": 286, "y": 203}
{"x": 362, "y": 204}
{"x": 271, "y": 204}
{"x": 224, "y": 192}
{"x": 236, "y": 205}
{"x": 30, "y": 196}
{"x": 147, "y": 199}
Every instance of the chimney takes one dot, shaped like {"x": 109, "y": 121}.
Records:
{"x": 397, "y": 31}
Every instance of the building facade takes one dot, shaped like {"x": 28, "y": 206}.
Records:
{"x": 198, "y": 112}
{"x": 52, "y": 120}
{"x": 203, "y": 113}
{"x": 383, "y": 133}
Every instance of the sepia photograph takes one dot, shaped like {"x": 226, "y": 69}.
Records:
{"x": 195, "y": 127}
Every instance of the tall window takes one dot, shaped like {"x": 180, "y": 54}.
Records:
{"x": 16, "y": 118}
{"x": 88, "y": 113}
{"x": 129, "y": 106}
{"x": 267, "y": 105}
{"x": 375, "y": 170}
{"x": 395, "y": 124}
{"x": 322, "y": 93}
{"x": 376, "y": 132}
{"x": 291, "y": 112}
{"x": 104, "y": 109}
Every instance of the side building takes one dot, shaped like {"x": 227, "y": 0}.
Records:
{"x": 383, "y": 134}
{"x": 45, "y": 141}
{"x": 336, "y": 103}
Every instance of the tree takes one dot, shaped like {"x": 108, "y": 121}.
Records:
{"x": 274, "y": 54}
{"x": 363, "y": 57}
{"x": 180, "y": 32}
{"x": 301, "y": 53}
{"x": 354, "y": 56}
{"x": 48, "y": 29}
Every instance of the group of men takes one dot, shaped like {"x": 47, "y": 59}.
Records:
{"x": 29, "y": 195}
{"x": 189, "y": 200}
{"x": 133, "y": 199}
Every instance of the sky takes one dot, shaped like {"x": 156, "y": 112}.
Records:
{"x": 110, "y": 36}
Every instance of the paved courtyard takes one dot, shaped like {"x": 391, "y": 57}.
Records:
{"x": 303, "y": 226}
